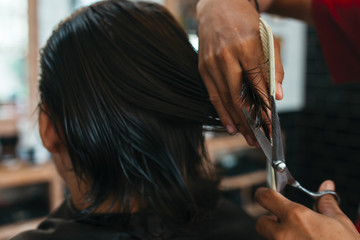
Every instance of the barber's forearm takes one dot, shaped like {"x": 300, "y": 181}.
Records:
{"x": 262, "y": 4}
{"x": 299, "y": 9}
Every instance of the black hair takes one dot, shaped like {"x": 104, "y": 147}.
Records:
{"x": 120, "y": 82}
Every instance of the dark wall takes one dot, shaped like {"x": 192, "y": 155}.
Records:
{"x": 323, "y": 140}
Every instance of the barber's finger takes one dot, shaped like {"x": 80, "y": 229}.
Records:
{"x": 221, "y": 78}
{"x": 228, "y": 120}
{"x": 274, "y": 202}
{"x": 218, "y": 90}
{"x": 232, "y": 74}
{"x": 215, "y": 99}
{"x": 267, "y": 227}
{"x": 279, "y": 72}
{"x": 327, "y": 204}
{"x": 225, "y": 95}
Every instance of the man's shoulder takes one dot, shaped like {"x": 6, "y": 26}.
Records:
{"x": 64, "y": 229}
{"x": 66, "y": 224}
{"x": 228, "y": 221}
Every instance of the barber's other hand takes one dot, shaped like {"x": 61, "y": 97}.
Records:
{"x": 229, "y": 45}
{"x": 299, "y": 222}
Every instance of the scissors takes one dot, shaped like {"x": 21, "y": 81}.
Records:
{"x": 275, "y": 155}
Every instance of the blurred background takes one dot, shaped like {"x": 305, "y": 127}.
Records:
{"x": 319, "y": 119}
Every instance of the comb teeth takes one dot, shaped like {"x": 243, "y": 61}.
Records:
{"x": 264, "y": 40}
{"x": 269, "y": 56}
{"x": 265, "y": 44}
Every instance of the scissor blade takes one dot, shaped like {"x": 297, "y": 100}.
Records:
{"x": 277, "y": 149}
{"x": 260, "y": 137}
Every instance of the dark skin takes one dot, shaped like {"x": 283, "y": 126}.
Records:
{"x": 224, "y": 57}
{"x": 291, "y": 220}
{"x": 229, "y": 45}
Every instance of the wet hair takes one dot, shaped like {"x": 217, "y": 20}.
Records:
{"x": 120, "y": 82}
{"x": 259, "y": 101}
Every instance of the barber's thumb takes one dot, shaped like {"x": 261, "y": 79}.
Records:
{"x": 327, "y": 204}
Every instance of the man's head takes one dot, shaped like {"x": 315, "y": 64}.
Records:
{"x": 123, "y": 101}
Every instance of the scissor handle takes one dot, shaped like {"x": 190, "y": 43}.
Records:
{"x": 321, "y": 194}
{"x": 316, "y": 195}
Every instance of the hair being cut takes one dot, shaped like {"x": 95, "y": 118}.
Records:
{"x": 120, "y": 82}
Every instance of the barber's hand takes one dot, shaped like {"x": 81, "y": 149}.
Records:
{"x": 229, "y": 45}
{"x": 299, "y": 222}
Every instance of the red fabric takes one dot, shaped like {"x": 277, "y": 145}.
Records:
{"x": 338, "y": 26}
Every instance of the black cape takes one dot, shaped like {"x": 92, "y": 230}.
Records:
{"x": 226, "y": 223}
